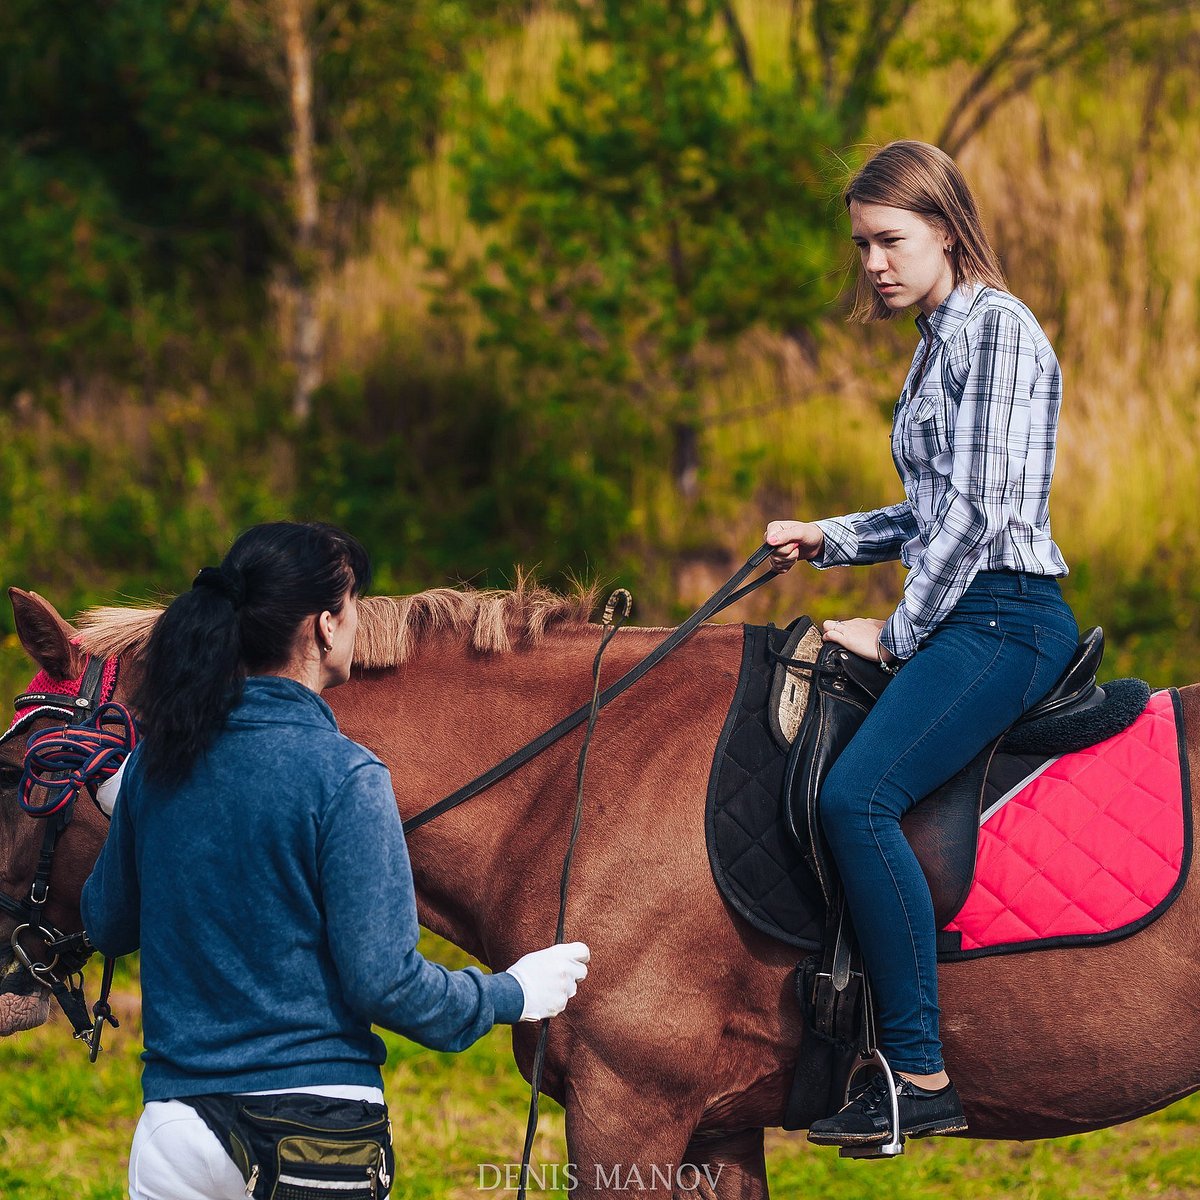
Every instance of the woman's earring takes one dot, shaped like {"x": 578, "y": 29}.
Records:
{"x": 329, "y": 648}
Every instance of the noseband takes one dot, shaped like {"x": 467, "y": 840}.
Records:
{"x": 66, "y": 761}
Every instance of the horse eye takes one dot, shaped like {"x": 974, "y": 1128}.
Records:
{"x": 9, "y": 777}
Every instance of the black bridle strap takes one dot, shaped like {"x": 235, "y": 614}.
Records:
{"x": 29, "y": 910}
{"x": 726, "y": 595}
{"x": 101, "y": 1011}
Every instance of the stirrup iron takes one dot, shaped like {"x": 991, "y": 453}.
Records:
{"x": 890, "y": 1148}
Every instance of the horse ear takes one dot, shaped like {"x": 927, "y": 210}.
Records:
{"x": 45, "y": 635}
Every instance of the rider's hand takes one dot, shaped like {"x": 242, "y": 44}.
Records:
{"x": 549, "y": 978}
{"x": 795, "y": 540}
{"x": 860, "y": 635}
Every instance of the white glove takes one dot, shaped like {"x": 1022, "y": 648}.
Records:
{"x": 549, "y": 978}
{"x": 106, "y": 793}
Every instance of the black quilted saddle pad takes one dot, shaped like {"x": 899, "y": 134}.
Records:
{"x": 755, "y": 863}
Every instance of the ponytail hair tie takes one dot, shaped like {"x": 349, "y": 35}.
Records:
{"x": 226, "y": 582}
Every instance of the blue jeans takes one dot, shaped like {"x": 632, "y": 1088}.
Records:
{"x": 1005, "y": 644}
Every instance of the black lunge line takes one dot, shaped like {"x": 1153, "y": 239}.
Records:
{"x": 612, "y": 622}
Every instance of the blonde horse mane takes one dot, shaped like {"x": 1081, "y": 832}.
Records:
{"x": 390, "y": 628}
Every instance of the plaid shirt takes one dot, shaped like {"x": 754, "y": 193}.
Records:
{"x": 973, "y": 438}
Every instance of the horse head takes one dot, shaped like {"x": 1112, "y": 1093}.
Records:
{"x": 54, "y": 646}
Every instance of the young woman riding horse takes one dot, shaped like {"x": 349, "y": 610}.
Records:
{"x": 256, "y": 858}
{"x": 982, "y": 631}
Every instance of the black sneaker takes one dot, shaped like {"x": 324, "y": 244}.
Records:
{"x": 867, "y": 1119}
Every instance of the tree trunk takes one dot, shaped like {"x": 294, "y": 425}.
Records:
{"x": 685, "y": 458}
{"x": 295, "y": 21}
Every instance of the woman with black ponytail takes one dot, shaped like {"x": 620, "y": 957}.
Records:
{"x": 256, "y": 859}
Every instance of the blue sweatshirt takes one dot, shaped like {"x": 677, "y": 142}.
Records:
{"x": 272, "y": 899}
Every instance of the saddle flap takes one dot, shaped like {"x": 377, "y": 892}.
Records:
{"x": 845, "y": 688}
{"x": 943, "y": 831}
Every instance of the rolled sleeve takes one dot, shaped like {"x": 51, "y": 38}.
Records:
{"x": 875, "y": 536}
{"x": 898, "y": 635}
{"x": 841, "y": 543}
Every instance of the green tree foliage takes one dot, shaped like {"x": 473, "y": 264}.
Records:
{"x": 679, "y": 190}
{"x": 1039, "y": 37}
{"x": 658, "y": 208}
{"x": 144, "y": 167}
{"x": 382, "y": 71}
{"x": 139, "y": 157}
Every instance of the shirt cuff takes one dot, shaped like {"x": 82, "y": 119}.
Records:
{"x": 898, "y": 635}
{"x": 841, "y": 543}
{"x": 508, "y": 997}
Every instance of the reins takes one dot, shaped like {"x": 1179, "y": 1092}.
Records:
{"x": 65, "y": 761}
{"x": 612, "y": 621}
{"x": 729, "y": 593}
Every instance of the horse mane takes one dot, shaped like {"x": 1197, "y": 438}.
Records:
{"x": 390, "y": 628}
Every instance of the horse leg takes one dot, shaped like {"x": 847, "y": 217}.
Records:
{"x": 724, "y": 1166}
{"x": 621, "y": 1139}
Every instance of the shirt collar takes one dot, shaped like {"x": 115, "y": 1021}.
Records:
{"x": 947, "y": 318}
{"x": 277, "y": 698}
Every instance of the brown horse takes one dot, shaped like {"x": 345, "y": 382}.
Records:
{"x": 680, "y": 1045}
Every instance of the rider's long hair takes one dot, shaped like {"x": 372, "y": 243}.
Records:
{"x": 922, "y": 179}
{"x": 239, "y": 619}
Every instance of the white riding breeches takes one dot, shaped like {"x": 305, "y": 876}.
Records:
{"x": 175, "y": 1156}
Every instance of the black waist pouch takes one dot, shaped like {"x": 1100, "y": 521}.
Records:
{"x": 299, "y": 1146}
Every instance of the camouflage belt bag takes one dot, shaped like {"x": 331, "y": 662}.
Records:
{"x": 298, "y": 1146}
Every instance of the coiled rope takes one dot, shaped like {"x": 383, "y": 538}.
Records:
{"x": 64, "y": 761}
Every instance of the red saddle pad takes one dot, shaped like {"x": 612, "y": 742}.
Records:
{"x": 1092, "y": 848}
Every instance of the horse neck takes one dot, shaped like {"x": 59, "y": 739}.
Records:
{"x": 450, "y": 714}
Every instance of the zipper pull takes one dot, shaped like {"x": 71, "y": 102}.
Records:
{"x": 252, "y": 1182}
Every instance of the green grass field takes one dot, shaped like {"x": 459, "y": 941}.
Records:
{"x": 459, "y": 1120}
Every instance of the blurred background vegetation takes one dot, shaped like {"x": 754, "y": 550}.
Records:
{"x": 564, "y": 285}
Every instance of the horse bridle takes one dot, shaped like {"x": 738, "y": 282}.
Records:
{"x": 67, "y": 952}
